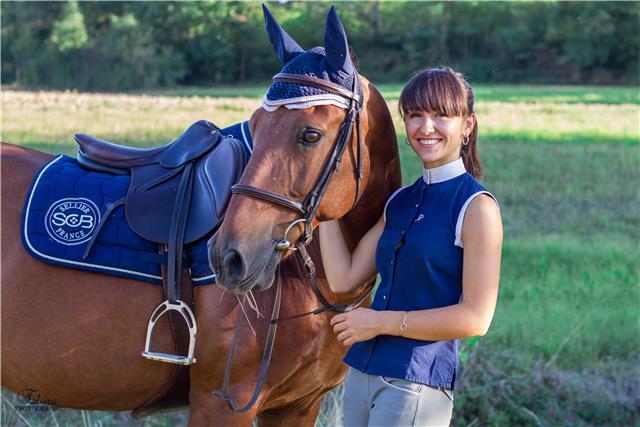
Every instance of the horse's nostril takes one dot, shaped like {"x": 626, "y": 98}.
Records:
{"x": 233, "y": 264}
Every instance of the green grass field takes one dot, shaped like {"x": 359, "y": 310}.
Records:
{"x": 564, "y": 162}
{"x": 484, "y": 93}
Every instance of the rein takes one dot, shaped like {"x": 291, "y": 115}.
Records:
{"x": 306, "y": 209}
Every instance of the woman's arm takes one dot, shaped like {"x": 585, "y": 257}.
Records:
{"x": 482, "y": 237}
{"x": 346, "y": 271}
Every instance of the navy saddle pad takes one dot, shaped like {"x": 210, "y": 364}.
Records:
{"x": 64, "y": 206}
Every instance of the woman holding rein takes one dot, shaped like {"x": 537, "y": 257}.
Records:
{"x": 437, "y": 248}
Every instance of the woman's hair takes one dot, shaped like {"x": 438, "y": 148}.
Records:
{"x": 444, "y": 91}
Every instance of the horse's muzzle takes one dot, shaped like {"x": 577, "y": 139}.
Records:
{"x": 239, "y": 272}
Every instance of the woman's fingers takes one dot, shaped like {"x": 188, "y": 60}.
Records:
{"x": 338, "y": 318}
{"x": 340, "y": 327}
{"x": 349, "y": 341}
{"x": 343, "y": 336}
{"x": 344, "y": 329}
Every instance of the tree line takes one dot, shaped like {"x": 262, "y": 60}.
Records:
{"x": 135, "y": 45}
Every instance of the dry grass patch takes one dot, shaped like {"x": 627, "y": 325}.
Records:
{"x": 51, "y": 118}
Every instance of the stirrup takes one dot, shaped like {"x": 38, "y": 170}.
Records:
{"x": 187, "y": 314}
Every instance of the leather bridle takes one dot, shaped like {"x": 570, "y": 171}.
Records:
{"x": 307, "y": 210}
{"x": 308, "y": 207}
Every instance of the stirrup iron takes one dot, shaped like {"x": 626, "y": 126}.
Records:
{"x": 188, "y": 317}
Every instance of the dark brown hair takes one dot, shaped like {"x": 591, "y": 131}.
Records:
{"x": 444, "y": 91}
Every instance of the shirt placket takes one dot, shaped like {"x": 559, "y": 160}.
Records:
{"x": 400, "y": 244}
{"x": 387, "y": 290}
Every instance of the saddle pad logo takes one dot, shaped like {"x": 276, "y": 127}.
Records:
{"x": 72, "y": 221}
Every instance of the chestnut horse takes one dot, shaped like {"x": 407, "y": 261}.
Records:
{"x": 75, "y": 337}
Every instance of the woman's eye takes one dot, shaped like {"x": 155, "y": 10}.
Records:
{"x": 311, "y": 136}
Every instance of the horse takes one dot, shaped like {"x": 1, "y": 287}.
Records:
{"x": 74, "y": 337}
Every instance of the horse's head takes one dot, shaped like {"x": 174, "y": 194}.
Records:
{"x": 313, "y": 154}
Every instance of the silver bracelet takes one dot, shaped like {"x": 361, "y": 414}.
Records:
{"x": 403, "y": 325}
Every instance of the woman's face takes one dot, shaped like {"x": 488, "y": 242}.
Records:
{"x": 435, "y": 138}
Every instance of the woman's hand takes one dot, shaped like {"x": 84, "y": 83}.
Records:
{"x": 357, "y": 325}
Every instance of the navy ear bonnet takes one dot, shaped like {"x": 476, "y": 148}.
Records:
{"x": 311, "y": 63}
{"x": 331, "y": 63}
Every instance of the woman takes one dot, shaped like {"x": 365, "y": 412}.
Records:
{"x": 437, "y": 247}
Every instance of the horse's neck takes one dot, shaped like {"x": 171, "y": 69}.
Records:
{"x": 383, "y": 175}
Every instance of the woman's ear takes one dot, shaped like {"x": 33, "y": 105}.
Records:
{"x": 468, "y": 124}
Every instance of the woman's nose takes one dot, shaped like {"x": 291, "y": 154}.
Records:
{"x": 427, "y": 124}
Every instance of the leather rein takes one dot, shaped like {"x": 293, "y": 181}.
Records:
{"x": 307, "y": 210}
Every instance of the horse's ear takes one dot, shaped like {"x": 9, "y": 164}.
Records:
{"x": 336, "y": 46}
{"x": 286, "y": 48}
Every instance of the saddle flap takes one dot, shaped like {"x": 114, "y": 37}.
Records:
{"x": 149, "y": 210}
{"x": 199, "y": 138}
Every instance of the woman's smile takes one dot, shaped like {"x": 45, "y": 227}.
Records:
{"x": 429, "y": 142}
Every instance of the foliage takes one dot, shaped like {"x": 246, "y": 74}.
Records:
{"x": 126, "y": 45}
{"x": 69, "y": 31}
{"x": 65, "y": 52}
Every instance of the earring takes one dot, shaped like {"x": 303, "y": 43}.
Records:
{"x": 406, "y": 140}
{"x": 465, "y": 140}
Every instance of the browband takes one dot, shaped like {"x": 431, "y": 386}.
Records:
{"x": 319, "y": 83}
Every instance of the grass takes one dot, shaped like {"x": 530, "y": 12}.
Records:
{"x": 564, "y": 163}
{"x": 135, "y": 120}
{"x": 537, "y": 94}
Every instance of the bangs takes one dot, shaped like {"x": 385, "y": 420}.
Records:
{"x": 436, "y": 90}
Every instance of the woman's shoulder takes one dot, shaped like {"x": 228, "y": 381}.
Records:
{"x": 474, "y": 200}
{"x": 482, "y": 217}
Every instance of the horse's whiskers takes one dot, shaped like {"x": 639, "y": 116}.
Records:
{"x": 245, "y": 315}
{"x": 251, "y": 300}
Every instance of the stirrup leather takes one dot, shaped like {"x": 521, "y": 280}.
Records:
{"x": 189, "y": 318}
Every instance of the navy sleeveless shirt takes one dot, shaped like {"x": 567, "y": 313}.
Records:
{"x": 419, "y": 258}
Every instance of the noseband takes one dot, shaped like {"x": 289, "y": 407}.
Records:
{"x": 307, "y": 210}
{"x": 308, "y": 207}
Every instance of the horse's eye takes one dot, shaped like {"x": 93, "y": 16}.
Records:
{"x": 311, "y": 136}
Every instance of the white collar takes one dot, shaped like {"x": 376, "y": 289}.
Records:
{"x": 444, "y": 172}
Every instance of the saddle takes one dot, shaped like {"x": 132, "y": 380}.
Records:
{"x": 177, "y": 194}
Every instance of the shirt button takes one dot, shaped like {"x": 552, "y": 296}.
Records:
{"x": 417, "y": 205}
{"x": 391, "y": 262}
{"x": 384, "y": 297}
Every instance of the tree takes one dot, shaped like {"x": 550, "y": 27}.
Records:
{"x": 69, "y": 31}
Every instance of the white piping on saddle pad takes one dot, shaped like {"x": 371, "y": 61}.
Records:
{"x": 62, "y": 260}
{"x": 303, "y": 102}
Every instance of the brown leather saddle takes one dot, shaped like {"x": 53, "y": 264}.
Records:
{"x": 178, "y": 193}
